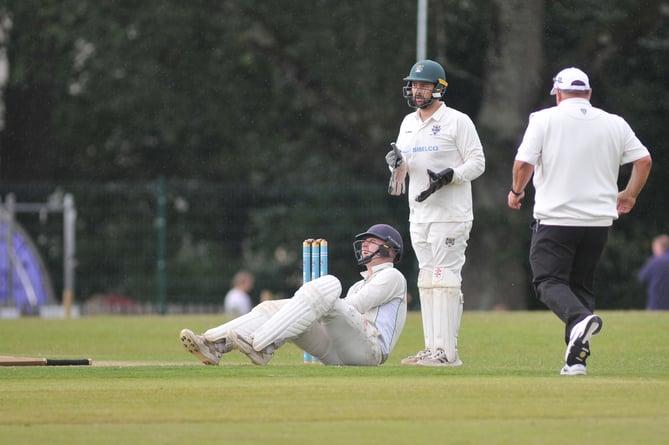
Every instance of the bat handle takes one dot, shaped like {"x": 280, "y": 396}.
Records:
{"x": 69, "y": 362}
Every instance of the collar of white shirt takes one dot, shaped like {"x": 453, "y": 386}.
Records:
{"x": 376, "y": 268}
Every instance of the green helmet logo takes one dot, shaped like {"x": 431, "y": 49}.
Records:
{"x": 427, "y": 71}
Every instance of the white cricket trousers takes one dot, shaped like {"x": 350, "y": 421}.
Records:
{"x": 343, "y": 337}
{"x": 340, "y": 336}
{"x": 441, "y": 244}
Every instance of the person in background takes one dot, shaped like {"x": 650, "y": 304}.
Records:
{"x": 574, "y": 152}
{"x": 237, "y": 300}
{"x": 655, "y": 275}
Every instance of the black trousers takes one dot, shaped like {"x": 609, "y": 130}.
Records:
{"x": 564, "y": 260}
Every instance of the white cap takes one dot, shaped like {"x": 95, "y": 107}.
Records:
{"x": 571, "y": 79}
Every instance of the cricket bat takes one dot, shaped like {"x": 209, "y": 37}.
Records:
{"x": 40, "y": 361}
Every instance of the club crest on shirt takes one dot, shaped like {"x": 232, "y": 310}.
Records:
{"x": 449, "y": 242}
{"x": 436, "y": 128}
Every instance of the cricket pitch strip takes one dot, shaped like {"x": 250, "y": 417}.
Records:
{"x": 6, "y": 360}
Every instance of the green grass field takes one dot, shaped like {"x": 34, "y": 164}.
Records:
{"x": 144, "y": 388}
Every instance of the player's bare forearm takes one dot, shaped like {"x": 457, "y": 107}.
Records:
{"x": 640, "y": 172}
{"x": 522, "y": 173}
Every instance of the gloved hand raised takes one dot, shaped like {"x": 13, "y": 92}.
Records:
{"x": 398, "y": 171}
{"x": 437, "y": 181}
{"x": 394, "y": 157}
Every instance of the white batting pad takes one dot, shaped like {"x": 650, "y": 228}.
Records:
{"x": 426, "y": 310}
{"x": 247, "y": 323}
{"x": 446, "y": 319}
{"x": 313, "y": 300}
{"x": 443, "y": 277}
{"x": 426, "y": 305}
{"x": 320, "y": 293}
{"x": 425, "y": 278}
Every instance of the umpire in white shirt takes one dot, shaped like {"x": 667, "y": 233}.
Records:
{"x": 575, "y": 151}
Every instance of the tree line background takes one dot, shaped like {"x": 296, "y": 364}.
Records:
{"x": 270, "y": 120}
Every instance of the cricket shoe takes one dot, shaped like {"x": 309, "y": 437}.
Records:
{"x": 575, "y": 362}
{"x": 578, "y": 349}
{"x": 573, "y": 370}
{"x": 413, "y": 360}
{"x": 582, "y": 332}
{"x": 208, "y": 352}
{"x": 439, "y": 358}
{"x": 245, "y": 345}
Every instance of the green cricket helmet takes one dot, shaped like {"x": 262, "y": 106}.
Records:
{"x": 427, "y": 71}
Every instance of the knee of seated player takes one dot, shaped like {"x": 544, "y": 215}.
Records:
{"x": 320, "y": 294}
{"x": 269, "y": 307}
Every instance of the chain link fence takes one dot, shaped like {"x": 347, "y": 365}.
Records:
{"x": 134, "y": 256}
{"x": 137, "y": 256}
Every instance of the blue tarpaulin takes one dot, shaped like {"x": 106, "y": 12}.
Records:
{"x": 23, "y": 278}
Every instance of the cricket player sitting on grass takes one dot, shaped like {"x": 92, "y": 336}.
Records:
{"x": 360, "y": 329}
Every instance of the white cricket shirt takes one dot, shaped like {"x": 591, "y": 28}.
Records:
{"x": 447, "y": 139}
{"x": 381, "y": 297}
{"x": 577, "y": 151}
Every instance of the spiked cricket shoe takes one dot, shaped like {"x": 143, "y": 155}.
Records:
{"x": 413, "y": 360}
{"x": 245, "y": 345}
{"x": 206, "y": 351}
{"x": 439, "y": 359}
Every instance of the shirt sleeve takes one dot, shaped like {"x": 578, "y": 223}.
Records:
{"x": 530, "y": 147}
{"x": 633, "y": 149}
{"x": 379, "y": 289}
{"x": 471, "y": 150}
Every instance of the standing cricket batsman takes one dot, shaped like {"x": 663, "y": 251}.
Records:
{"x": 439, "y": 149}
{"x": 361, "y": 329}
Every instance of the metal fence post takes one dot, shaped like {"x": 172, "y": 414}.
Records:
{"x": 69, "y": 258}
{"x": 161, "y": 227}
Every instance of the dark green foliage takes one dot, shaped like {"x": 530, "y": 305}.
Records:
{"x": 271, "y": 123}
